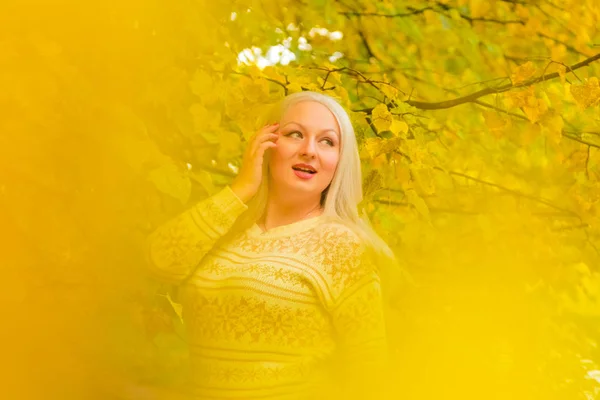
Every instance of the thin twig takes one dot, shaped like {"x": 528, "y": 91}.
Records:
{"x": 580, "y": 141}
{"x": 481, "y": 103}
{"x": 567, "y": 46}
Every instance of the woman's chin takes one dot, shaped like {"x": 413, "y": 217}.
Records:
{"x": 299, "y": 186}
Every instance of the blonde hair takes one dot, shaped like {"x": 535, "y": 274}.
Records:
{"x": 343, "y": 195}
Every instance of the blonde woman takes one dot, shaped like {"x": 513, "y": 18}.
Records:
{"x": 281, "y": 297}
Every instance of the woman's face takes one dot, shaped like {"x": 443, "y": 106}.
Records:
{"x": 308, "y": 149}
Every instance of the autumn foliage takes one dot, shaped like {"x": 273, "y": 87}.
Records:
{"x": 479, "y": 133}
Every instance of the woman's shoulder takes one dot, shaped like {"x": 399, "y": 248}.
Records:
{"x": 334, "y": 235}
{"x": 335, "y": 225}
{"x": 340, "y": 253}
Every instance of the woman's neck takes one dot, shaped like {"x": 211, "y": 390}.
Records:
{"x": 280, "y": 211}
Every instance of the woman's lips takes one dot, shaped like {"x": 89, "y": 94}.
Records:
{"x": 303, "y": 175}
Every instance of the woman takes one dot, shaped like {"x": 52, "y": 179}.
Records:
{"x": 281, "y": 297}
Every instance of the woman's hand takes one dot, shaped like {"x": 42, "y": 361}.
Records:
{"x": 246, "y": 184}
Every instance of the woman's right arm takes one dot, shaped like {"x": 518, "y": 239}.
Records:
{"x": 176, "y": 248}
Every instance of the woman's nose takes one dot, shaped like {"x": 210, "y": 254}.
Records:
{"x": 308, "y": 147}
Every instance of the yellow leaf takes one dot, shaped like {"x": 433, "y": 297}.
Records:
{"x": 480, "y": 8}
{"x": 558, "y": 52}
{"x": 423, "y": 177}
{"x": 587, "y": 94}
{"x": 552, "y": 126}
{"x": 431, "y": 18}
{"x": 254, "y": 71}
{"x": 417, "y": 202}
{"x": 494, "y": 120}
{"x": 359, "y": 121}
{"x": 382, "y": 118}
{"x": 455, "y": 14}
{"x": 204, "y": 179}
{"x": 402, "y": 172}
{"x": 519, "y": 98}
{"x": 341, "y": 95}
{"x": 373, "y": 146}
{"x": 522, "y": 12}
{"x": 529, "y": 134}
{"x": 272, "y": 73}
{"x": 399, "y": 128}
{"x": 389, "y": 91}
{"x": 523, "y": 73}
{"x": 234, "y": 103}
{"x": 522, "y": 158}
{"x": 256, "y": 90}
{"x": 372, "y": 183}
{"x": 170, "y": 180}
{"x": 203, "y": 86}
{"x": 582, "y": 268}
{"x": 535, "y": 111}
{"x": 138, "y": 153}
{"x": 546, "y": 99}
{"x": 378, "y": 146}
{"x": 294, "y": 87}
{"x": 251, "y": 120}
{"x": 206, "y": 122}
{"x": 204, "y": 117}
{"x": 528, "y": 102}
{"x": 230, "y": 145}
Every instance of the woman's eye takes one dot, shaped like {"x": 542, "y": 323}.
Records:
{"x": 299, "y": 135}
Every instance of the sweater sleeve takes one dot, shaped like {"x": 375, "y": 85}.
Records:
{"x": 357, "y": 315}
{"x": 178, "y": 246}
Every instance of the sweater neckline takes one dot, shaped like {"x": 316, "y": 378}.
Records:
{"x": 286, "y": 230}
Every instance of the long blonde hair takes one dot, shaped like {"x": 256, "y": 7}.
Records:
{"x": 343, "y": 195}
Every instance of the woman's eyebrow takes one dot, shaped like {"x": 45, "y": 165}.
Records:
{"x": 302, "y": 126}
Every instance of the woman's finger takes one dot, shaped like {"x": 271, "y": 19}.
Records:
{"x": 263, "y": 138}
{"x": 265, "y": 129}
{"x": 262, "y": 148}
{"x": 268, "y": 129}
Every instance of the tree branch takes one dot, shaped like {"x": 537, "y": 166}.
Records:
{"x": 433, "y": 210}
{"x": 571, "y": 227}
{"x": 444, "y": 7}
{"x": 422, "y": 105}
{"x": 356, "y": 73}
{"x": 523, "y": 3}
{"x": 504, "y": 189}
{"x": 367, "y": 46}
{"x": 511, "y": 191}
{"x": 495, "y": 21}
{"x": 397, "y": 15}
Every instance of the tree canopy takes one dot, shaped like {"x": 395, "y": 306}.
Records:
{"x": 479, "y": 134}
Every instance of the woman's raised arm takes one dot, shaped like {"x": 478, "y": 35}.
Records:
{"x": 176, "y": 248}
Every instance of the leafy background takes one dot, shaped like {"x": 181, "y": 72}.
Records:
{"x": 479, "y": 133}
